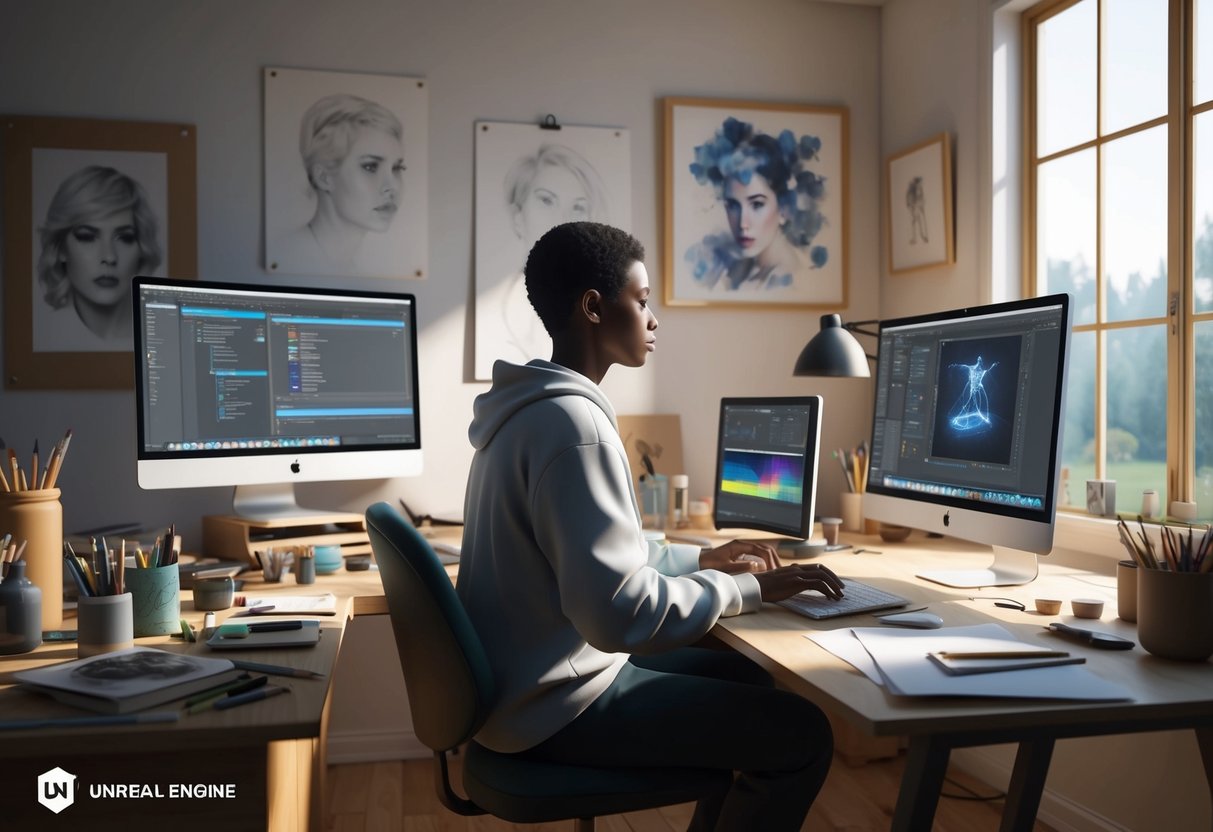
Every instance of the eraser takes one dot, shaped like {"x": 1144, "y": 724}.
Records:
{"x": 233, "y": 631}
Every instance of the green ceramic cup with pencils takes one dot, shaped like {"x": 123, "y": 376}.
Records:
{"x": 155, "y": 599}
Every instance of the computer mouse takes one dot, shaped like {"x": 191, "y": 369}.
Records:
{"x": 919, "y": 620}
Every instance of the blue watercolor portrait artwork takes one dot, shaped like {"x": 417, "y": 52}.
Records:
{"x": 756, "y": 204}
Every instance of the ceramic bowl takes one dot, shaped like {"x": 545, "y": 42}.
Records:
{"x": 328, "y": 559}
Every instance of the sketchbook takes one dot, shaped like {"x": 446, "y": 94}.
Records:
{"x": 128, "y": 680}
{"x": 289, "y": 605}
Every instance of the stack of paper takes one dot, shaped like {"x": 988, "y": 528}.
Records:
{"x": 898, "y": 659}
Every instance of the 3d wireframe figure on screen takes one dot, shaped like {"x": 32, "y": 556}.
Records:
{"x": 972, "y": 410}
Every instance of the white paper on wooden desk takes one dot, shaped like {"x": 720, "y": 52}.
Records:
{"x": 898, "y": 660}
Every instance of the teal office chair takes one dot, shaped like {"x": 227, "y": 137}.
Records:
{"x": 451, "y": 690}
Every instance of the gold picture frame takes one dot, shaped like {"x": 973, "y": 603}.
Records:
{"x": 918, "y": 206}
{"x": 56, "y": 171}
{"x": 791, "y": 159}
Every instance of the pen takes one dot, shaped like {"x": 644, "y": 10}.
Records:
{"x": 209, "y": 699}
{"x": 1003, "y": 654}
{"x": 277, "y": 670}
{"x": 90, "y": 721}
{"x": 255, "y": 695}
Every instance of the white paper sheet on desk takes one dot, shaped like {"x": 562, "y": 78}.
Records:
{"x": 898, "y": 660}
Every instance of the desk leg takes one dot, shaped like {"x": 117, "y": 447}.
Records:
{"x": 926, "y": 764}
{"x": 1027, "y": 782}
{"x": 1204, "y": 739}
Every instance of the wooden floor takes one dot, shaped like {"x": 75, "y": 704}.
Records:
{"x": 399, "y": 795}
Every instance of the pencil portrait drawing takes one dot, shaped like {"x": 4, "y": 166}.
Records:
{"x": 528, "y": 180}
{"x": 88, "y": 205}
{"x": 345, "y": 179}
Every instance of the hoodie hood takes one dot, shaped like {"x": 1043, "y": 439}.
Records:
{"x": 517, "y": 385}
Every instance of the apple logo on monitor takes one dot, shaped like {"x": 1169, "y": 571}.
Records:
{"x": 947, "y": 515}
{"x": 295, "y": 467}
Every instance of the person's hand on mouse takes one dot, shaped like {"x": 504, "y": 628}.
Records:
{"x": 787, "y": 581}
{"x": 740, "y": 556}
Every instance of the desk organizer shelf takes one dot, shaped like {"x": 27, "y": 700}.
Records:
{"x": 226, "y": 536}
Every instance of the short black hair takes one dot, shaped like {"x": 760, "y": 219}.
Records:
{"x": 573, "y": 258}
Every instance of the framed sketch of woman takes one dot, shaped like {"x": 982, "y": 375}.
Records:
{"x": 755, "y": 204}
{"x": 529, "y": 179}
{"x": 89, "y": 205}
{"x": 345, "y": 174}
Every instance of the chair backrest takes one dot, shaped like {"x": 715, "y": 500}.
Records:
{"x": 446, "y": 671}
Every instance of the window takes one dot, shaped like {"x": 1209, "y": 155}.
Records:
{"x": 1119, "y": 213}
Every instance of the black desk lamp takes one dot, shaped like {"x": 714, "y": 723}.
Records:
{"x": 834, "y": 351}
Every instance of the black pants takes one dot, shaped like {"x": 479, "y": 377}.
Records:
{"x": 701, "y": 708}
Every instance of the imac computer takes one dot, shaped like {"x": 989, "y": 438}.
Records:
{"x": 261, "y": 387}
{"x": 967, "y": 420}
{"x": 766, "y": 466}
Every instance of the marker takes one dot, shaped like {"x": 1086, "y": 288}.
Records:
{"x": 208, "y": 699}
{"x": 249, "y": 696}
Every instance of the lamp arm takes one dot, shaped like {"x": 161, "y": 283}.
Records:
{"x": 860, "y": 327}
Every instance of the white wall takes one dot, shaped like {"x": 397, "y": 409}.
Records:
{"x": 932, "y": 77}
{"x": 602, "y": 63}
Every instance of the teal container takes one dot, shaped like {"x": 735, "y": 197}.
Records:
{"x": 155, "y": 600}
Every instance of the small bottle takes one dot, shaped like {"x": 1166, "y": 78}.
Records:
{"x": 682, "y": 500}
{"x": 20, "y": 612}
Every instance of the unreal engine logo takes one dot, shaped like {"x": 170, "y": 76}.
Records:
{"x": 56, "y": 789}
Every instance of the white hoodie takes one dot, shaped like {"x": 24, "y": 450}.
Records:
{"x": 555, "y": 571}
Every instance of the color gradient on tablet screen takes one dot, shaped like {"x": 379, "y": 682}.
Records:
{"x": 766, "y": 476}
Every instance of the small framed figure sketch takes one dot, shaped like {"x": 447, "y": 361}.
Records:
{"x": 919, "y": 205}
{"x": 345, "y": 174}
{"x": 529, "y": 178}
{"x": 755, "y": 204}
{"x": 88, "y": 204}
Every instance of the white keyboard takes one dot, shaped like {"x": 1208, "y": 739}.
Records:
{"x": 857, "y": 597}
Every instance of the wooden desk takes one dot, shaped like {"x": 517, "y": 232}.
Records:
{"x": 273, "y": 751}
{"x": 1166, "y": 695}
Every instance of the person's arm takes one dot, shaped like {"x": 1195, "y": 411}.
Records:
{"x": 586, "y": 525}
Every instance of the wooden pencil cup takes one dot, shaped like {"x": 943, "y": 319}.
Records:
{"x": 37, "y": 518}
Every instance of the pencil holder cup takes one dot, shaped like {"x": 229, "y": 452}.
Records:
{"x": 20, "y": 612}
{"x": 37, "y": 518}
{"x": 104, "y": 623}
{"x": 851, "y": 509}
{"x": 304, "y": 569}
{"x": 1175, "y": 613}
{"x": 155, "y": 599}
{"x": 1126, "y": 590}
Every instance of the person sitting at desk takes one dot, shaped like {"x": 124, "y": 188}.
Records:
{"x": 587, "y": 627}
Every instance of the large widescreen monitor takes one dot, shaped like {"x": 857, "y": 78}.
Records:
{"x": 766, "y": 465}
{"x": 261, "y": 387}
{"x": 967, "y": 420}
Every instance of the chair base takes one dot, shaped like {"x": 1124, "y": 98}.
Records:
{"x": 529, "y": 791}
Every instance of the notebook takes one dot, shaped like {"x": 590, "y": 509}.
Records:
{"x": 128, "y": 680}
